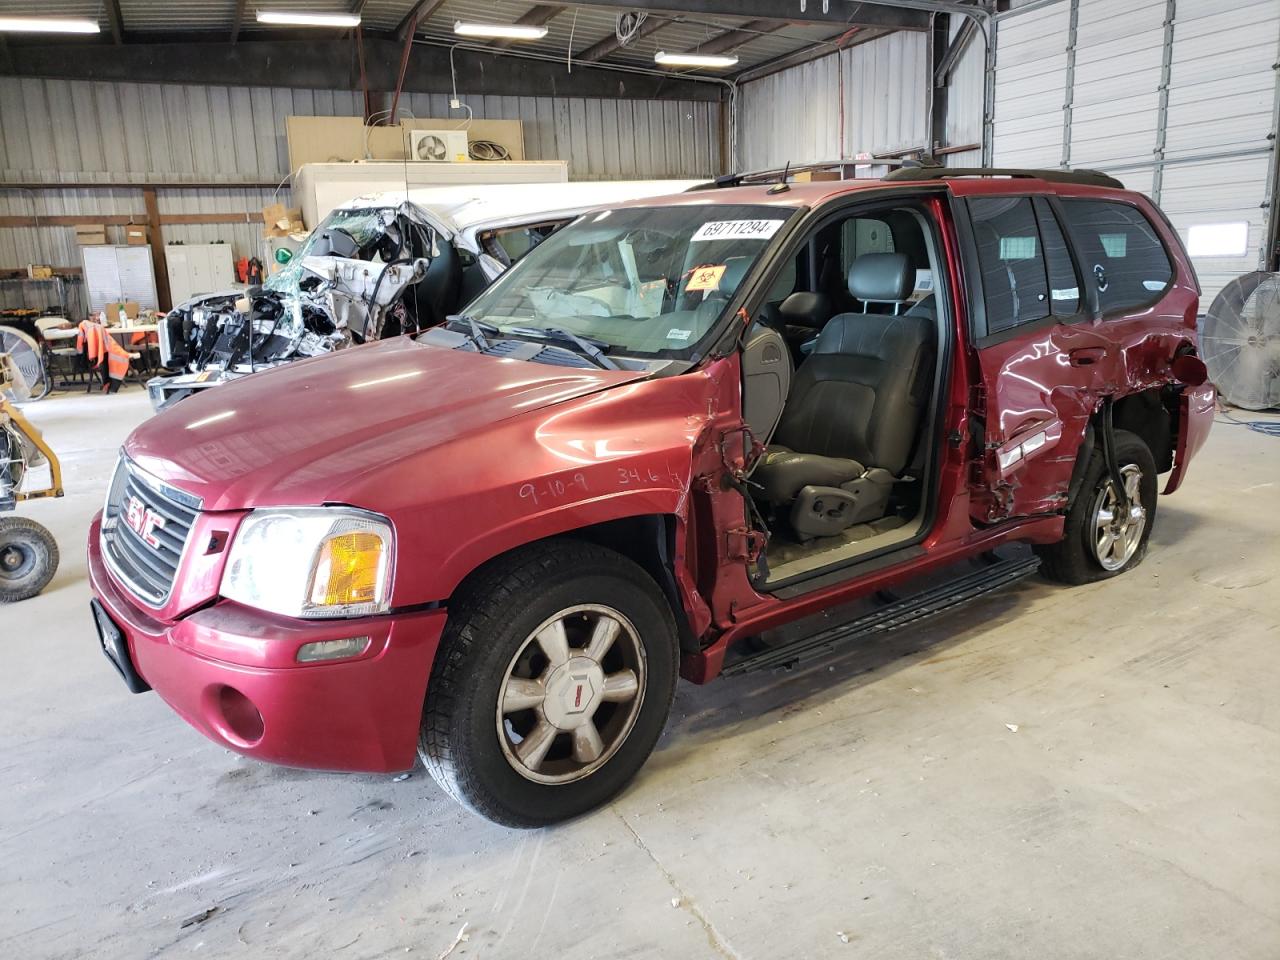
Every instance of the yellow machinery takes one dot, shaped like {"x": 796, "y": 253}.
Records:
{"x": 28, "y": 552}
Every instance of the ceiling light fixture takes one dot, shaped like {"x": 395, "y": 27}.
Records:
{"x": 296, "y": 19}
{"x": 47, "y": 25}
{"x": 694, "y": 59}
{"x": 505, "y": 31}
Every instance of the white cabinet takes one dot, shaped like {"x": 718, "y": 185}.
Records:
{"x": 115, "y": 273}
{"x": 198, "y": 268}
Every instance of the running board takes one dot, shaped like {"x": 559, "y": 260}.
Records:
{"x": 895, "y": 614}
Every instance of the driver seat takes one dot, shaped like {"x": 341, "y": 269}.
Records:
{"x": 855, "y": 410}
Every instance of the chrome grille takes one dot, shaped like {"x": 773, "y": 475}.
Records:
{"x": 146, "y": 559}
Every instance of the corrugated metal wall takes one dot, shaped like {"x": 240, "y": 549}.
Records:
{"x": 795, "y": 115}
{"x": 1177, "y": 97}
{"x": 57, "y": 130}
{"x": 965, "y": 100}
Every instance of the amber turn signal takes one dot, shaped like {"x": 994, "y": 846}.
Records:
{"x": 349, "y": 570}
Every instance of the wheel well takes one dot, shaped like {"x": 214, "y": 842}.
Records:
{"x": 648, "y": 540}
{"x": 1147, "y": 415}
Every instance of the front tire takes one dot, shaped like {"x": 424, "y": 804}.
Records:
{"x": 28, "y": 558}
{"x": 1099, "y": 540}
{"x": 553, "y": 681}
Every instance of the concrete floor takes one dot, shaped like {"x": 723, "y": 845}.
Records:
{"x": 1051, "y": 772}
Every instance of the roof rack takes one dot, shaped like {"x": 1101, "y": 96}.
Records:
{"x": 1090, "y": 178}
{"x": 844, "y": 168}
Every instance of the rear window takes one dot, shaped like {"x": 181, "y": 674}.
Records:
{"x": 1120, "y": 253}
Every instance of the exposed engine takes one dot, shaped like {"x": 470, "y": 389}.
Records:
{"x": 346, "y": 286}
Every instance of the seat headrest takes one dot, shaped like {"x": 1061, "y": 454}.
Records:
{"x": 806, "y": 309}
{"x": 881, "y": 278}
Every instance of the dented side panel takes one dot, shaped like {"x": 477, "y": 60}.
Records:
{"x": 1195, "y": 418}
{"x": 1041, "y": 390}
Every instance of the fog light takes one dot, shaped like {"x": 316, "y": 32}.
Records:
{"x": 332, "y": 649}
{"x": 241, "y": 718}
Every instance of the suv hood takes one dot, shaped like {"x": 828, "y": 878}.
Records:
{"x": 302, "y": 433}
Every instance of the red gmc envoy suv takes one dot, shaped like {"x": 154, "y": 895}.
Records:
{"x": 670, "y": 427}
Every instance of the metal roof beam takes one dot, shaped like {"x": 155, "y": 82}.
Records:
{"x": 418, "y": 14}
{"x": 115, "y": 20}
{"x": 732, "y": 39}
{"x": 238, "y": 22}
{"x": 825, "y": 48}
{"x": 899, "y": 15}
{"x": 537, "y": 17}
{"x": 601, "y": 49}
{"x": 329, "y": 64}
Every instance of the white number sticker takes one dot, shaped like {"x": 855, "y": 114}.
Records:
{"x": 737, "y": 230}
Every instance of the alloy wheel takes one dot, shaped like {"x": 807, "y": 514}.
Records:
{"x": 1118, "y": 532}
{"x": 571, "y": 694}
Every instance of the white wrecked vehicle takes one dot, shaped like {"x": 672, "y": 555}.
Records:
{"x": 376, "y": 267}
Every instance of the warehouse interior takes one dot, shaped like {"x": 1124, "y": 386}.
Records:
{"x": 1035, "y": 770}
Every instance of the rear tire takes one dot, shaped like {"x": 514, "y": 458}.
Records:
{"x": 1097, "y": 542}
{"x": 28, "y": 558}
{"x": 552, "y": 683}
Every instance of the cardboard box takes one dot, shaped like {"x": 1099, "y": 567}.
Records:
{"x": 815, "y": 176}
{"x": 135, "y": 234}
{"x": 281, "y": 221}
{"x": 130, "y": 307}
{"x": 91, "y": 234}
{"x": 39, "y": 271}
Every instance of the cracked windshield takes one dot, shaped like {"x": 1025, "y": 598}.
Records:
{"x": 645, "y": 280}
{"x": 365, "y": 226}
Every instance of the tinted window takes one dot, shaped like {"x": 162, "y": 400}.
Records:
{"x": 1014, "y": 284}
{"x": 1120, "y": 253}
{"x": 1064, "y": 293}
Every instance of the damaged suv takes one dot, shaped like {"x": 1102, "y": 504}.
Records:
{"x": 376, "y": 267}
{"x": 674, "y": 426}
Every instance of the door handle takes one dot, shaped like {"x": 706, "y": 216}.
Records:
{"x": 1085, "y": 356}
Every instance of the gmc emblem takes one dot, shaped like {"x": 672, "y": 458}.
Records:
{"x": 144, "y": 522}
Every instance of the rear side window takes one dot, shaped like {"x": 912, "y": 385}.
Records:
{"x": 1120, "y": 253}
{"x": 1064, "y": 292}
{"x": 1015, "y": 286}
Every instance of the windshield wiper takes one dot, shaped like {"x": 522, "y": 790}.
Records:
{"x": 475, "y": 329}
{"x": 591, "y": 349}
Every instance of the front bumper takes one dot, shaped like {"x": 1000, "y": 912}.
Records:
{"x": 231, "y": 672}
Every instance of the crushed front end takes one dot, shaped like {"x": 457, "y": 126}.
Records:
{"x": 347, "y": 285}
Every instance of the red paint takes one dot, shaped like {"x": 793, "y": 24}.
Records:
{"x": 353, "y": 715}
{"x": 1195, "y": 418}
{"x": 470, "y": 456}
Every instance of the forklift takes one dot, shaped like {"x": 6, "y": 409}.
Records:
{"x": 28, "y": 552}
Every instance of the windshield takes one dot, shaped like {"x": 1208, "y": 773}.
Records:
{"x": 643, "y": 280}
{"x": 364, "y": 226}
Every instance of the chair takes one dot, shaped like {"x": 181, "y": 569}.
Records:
{"x": 64, "y": 359}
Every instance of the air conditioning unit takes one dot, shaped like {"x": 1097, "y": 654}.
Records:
{"x": 438, "y": 146}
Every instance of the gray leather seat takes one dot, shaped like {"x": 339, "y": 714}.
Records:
{"x": 856, "y": 407}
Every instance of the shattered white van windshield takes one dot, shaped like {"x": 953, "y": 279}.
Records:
{"x": 645, "y": 280}
{"x": 364, "y": 226}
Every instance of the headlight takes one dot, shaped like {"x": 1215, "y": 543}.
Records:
{"x": 311, "y": 562}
